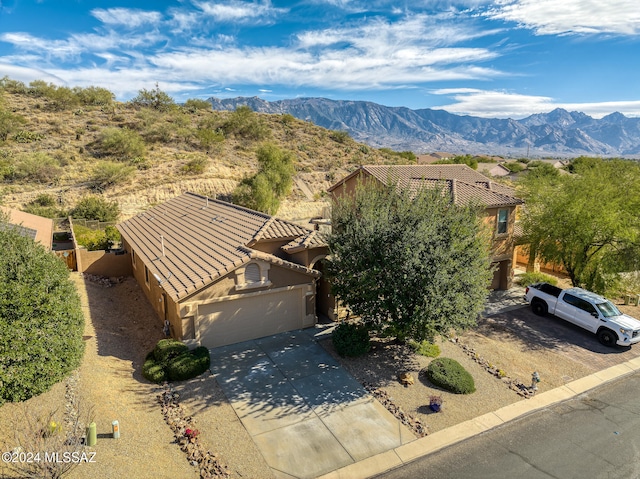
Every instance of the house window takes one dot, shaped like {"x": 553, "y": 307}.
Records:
{"x": 503, "y": 221}
{"x": 146, "y": 276}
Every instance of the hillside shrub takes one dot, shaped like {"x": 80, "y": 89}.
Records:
{"x": 94, "y": 96}
{"x": 449, "y": 374}
{"x": 339, "y": 136}
{"x": 41, "y": 318}
{"x": 120, "y": 143}
{"x": 155, "y": 99}
{"x": 36, "y": 167}
{"x": 106, "y": 174}
{"x": 245, "y": 123}
{"x": 173, "y": 361}
{"x": 425, "y": 348}
{"x": 192, "y": 105}
{"x": 46, "y": 206}
{"x": 536, "y": 277}
{"x": 351, "y": 339}
{"x": 97, "y": 209}
{"x": 196, "y": 166}
{"x": 9, "y": 123}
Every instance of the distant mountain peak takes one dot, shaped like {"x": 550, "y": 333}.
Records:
{"x": 557, "y": 133}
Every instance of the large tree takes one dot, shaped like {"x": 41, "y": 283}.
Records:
{"x": 41, "y": 321}
{"x": 411, "y": 265}
{"x": 587, "y": 221}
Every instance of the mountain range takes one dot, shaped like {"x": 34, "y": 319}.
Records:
{"x": 559, "y": 133}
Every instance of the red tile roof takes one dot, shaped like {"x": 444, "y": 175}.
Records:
{"x": 463, "y": 182}
{"x": 191, "y": 240}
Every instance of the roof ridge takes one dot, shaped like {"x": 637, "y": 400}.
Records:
{"x": 225, "y": 204}
{"x": 258, "y": 236}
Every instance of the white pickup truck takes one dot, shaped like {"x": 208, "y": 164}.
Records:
{"x": 587, "y": 310}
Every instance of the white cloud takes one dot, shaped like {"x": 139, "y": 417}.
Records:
{"x": 127, "y": 17}
{"x": 239, "y": 11}
{"x": 501, "y": 104}
{"x": 557, "y": 17}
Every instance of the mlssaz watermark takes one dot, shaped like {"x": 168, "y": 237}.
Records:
{"x": 66, "y": 457}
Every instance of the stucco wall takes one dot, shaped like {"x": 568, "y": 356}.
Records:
{"x": 102, "y": 263}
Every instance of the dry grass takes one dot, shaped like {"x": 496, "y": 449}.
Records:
{"x": 69, "y": 135}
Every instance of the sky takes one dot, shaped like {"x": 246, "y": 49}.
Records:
{"x": 497, "y": 59}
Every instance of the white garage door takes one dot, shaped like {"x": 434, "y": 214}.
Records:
{"x": 235, "y": 320}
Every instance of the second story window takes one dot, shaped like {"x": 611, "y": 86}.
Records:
{"x": 503, "y": 221}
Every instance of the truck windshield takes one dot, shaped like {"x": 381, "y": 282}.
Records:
{"x": 608, "y": 309}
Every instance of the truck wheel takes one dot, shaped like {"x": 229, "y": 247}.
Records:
{"x": 607, "y": 337}
{"x": 539, "y": 308}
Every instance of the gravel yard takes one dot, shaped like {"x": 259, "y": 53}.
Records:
{"x": 121, "y": 328}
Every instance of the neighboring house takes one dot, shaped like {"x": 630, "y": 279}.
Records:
{"x": 493, "y": 169}
{"x": 464, "y": 184}
{"x": 220, "y": 273}
{"x": 35, "y": 227}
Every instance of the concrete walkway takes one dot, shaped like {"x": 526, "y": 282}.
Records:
{"x": 305, "y": 413}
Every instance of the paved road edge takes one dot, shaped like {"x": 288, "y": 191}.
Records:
{"x": 439, "y": 440}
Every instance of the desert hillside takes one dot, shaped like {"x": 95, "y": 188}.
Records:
{"x": 143, "y": 154}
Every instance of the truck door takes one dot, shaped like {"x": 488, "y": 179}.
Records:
{"x": 586, "y": 315}
{"x": 566, "y": 307}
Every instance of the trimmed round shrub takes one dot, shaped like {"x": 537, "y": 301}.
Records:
{"x": 188, "y": 365}
{"x": 351, "y": 339}
{"x": 152, "y": 370}
{"x": 449, "y": 374}
{"x": 171, "y": 360}
{"x": 166, "y": 349}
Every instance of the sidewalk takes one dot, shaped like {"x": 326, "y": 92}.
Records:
{"x": 498, "y": 302}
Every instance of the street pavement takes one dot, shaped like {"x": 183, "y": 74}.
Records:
{"x": 594, "y": 435}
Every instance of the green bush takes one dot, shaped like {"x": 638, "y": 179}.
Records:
{"x": 110, "y": 173}
{"x": 36, "y": 167}
{"x": 536, "y": 277}
{"x": 97, "y": 209}
{"x": 45, "y": 205}
{"x": 195, "y": 166}
{"x": 171, "y": 360}
{"x": 514, "y": 166}
{"x": 192, "y": 105}
{"x": 152, "y": 370}
{"x": 425, "y": 348}
{"x": 155, "y": 99}
{"x": 245, "y": 123}
{"x": 167, "y": 349}
{"x": 120, "y": 143}
{"x": 40, "y": 318}
{"x": 450, "y": 375}
{"x": 188, "y": 365}
{"x": 351, "y": 339}
{"x": 92, "y": 239}
{"x": 339, "y": 136}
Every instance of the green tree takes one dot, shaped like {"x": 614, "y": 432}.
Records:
{"x": 588, "y": 222}
{"x": 96, "y": 208}
{"x": 411, "y": 265}
{"x": 156, "y": 99}
{"x": 192, "y": 105}
{"x": 274, "y": 180}
{"x": 40, "y": 317}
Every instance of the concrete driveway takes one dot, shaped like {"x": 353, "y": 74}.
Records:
{"x": 306, "y": 414}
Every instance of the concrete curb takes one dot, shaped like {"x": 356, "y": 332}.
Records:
{"x": 439, "y": 440}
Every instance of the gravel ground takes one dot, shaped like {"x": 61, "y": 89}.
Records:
{"x": 121, "y": 328}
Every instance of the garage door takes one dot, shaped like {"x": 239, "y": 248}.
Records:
{"x": 235, "y": 320}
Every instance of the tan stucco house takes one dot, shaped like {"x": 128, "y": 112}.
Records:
{"x": 219, "y": 273}
{"x": 464, "y": 184}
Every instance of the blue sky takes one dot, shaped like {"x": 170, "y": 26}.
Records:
{"x": 500, "y": 58}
